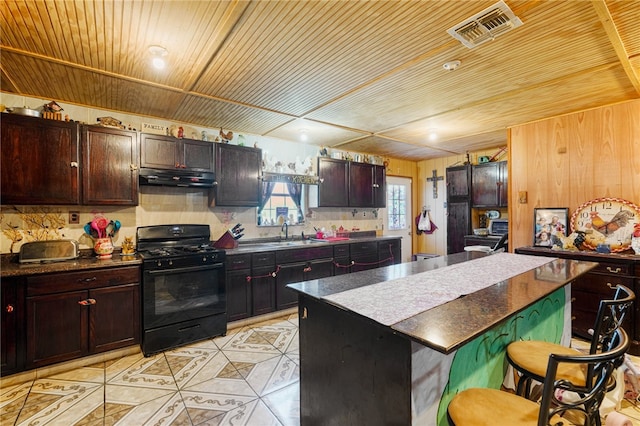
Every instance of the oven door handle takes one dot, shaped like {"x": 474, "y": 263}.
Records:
{"x": 186, "y": 269}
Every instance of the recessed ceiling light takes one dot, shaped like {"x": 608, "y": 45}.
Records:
{"x": 303, "y": 135}
{"x": 158, "y": 54}
{"x": 433, "y": 134}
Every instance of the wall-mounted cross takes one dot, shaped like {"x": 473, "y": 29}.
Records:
{"x": 435, "y": 178}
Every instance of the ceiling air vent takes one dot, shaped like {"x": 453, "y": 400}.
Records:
{"x": 486, "y": 25}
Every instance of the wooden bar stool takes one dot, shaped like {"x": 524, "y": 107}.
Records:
{"x": 490, "y": 407}
{"x": 529, "y": 358}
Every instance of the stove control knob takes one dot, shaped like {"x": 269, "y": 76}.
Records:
{"x": 170, "y": 262}
{"x": 159, "y": 263}
{"x": 204, "y": 258}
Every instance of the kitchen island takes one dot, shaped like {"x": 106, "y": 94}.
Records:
{"x": 394, "y": 344}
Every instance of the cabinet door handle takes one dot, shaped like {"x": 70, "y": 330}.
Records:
{"x": 133, "y": 167}
{"x": 74, "y": 164}
{"x": 9, "y": 308}
{"x": 87, "y": 302}
{"x": 86, "y": 280}
{"x": 573, "y": 299}
{"x": 614, "y": 271}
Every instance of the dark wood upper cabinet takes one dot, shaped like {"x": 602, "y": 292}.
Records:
{"x": 350, "y": 184}
{"x": 489, "y": 185}
{"x": 379, "y": 186}
{"x": 109, "y": 166}
{"x": 238, "y": 172}
{"x": 333, "y": 190}
{"x": 169, "y": 153}
{"x": 367, "y": 186}
{"x": 39, "y": 161}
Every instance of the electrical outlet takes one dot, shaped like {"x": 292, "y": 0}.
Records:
{"x": 74, "y": 218}
{"x": 522, "y": 197}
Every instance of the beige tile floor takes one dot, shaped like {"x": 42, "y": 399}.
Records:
{"x": 248, "y": 377}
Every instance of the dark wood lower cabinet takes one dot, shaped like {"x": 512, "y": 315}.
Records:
{"x": 596, "y": 285}
{"x": 263, "y": 289}
{"x": 364, "y": 255}
{"x": 70, "y": 315}
{"x": 12, "y": 333}
{"x": 57, "y": 328}
{"x": 238, "y": 294}
{"x": 296, "y": 272}
{"x": 111, "y": 324}
{"x": 263, "y": 293}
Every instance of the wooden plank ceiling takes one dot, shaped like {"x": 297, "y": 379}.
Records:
{"x": 361, "y": 76}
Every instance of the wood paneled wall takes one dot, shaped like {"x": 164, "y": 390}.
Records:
{"x": 436, "y": 243}
{"x": 567, "y": 160}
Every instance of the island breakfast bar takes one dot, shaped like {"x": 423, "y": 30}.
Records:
{"x": 393, "y": 345}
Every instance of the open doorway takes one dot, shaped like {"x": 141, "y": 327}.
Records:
{"x": 398, "y": 213}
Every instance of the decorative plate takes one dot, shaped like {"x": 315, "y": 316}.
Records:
{"x": 493, "y": 214}
{"x": 606, "y": 221}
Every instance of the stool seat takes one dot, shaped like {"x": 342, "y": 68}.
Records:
{"x": 491, "y": 407}
{"x": 532, "y": 356}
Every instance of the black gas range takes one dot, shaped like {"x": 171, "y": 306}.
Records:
{"x": 183, "y": 286}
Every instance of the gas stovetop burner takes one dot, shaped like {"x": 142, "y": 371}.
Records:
{"x": 198, "y": 249}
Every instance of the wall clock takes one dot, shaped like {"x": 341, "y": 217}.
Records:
{"x": 606, "y": 221}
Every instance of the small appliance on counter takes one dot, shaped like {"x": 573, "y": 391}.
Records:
{"x": 49, "y": 251}
{"x": 498, "y": 227}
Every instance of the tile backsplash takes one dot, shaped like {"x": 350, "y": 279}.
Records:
{"x": 168, "y": 205}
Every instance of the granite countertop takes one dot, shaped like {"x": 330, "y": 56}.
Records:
{"x": 11, "y": 268}
{"x": 447, "y": 301}
{"x": 271, "y": 245}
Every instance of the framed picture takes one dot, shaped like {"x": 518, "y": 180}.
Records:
{"x": 550, "y": 226}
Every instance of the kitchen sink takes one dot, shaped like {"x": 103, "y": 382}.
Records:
{"x": 274, "y": 243}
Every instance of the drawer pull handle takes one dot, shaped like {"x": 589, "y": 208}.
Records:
{"x": 614, "y": 271}
{"x": 307, "y": 269}
{"x": 87, "y": 302}
{"x": 87, "y": 280}
{"x": 611, "y": 286}
{"x": 9, "y": 308}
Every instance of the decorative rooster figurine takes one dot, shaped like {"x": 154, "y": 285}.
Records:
{"x": 620, "y": 220}
{"x": 226, "y": 137}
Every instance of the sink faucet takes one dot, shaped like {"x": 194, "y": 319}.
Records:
{"x": 285, "y": 228}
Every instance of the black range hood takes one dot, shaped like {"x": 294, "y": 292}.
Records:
{"x": 187, "y": 178}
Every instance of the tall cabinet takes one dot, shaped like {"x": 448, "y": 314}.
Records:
{"x": 458, "y": 207}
